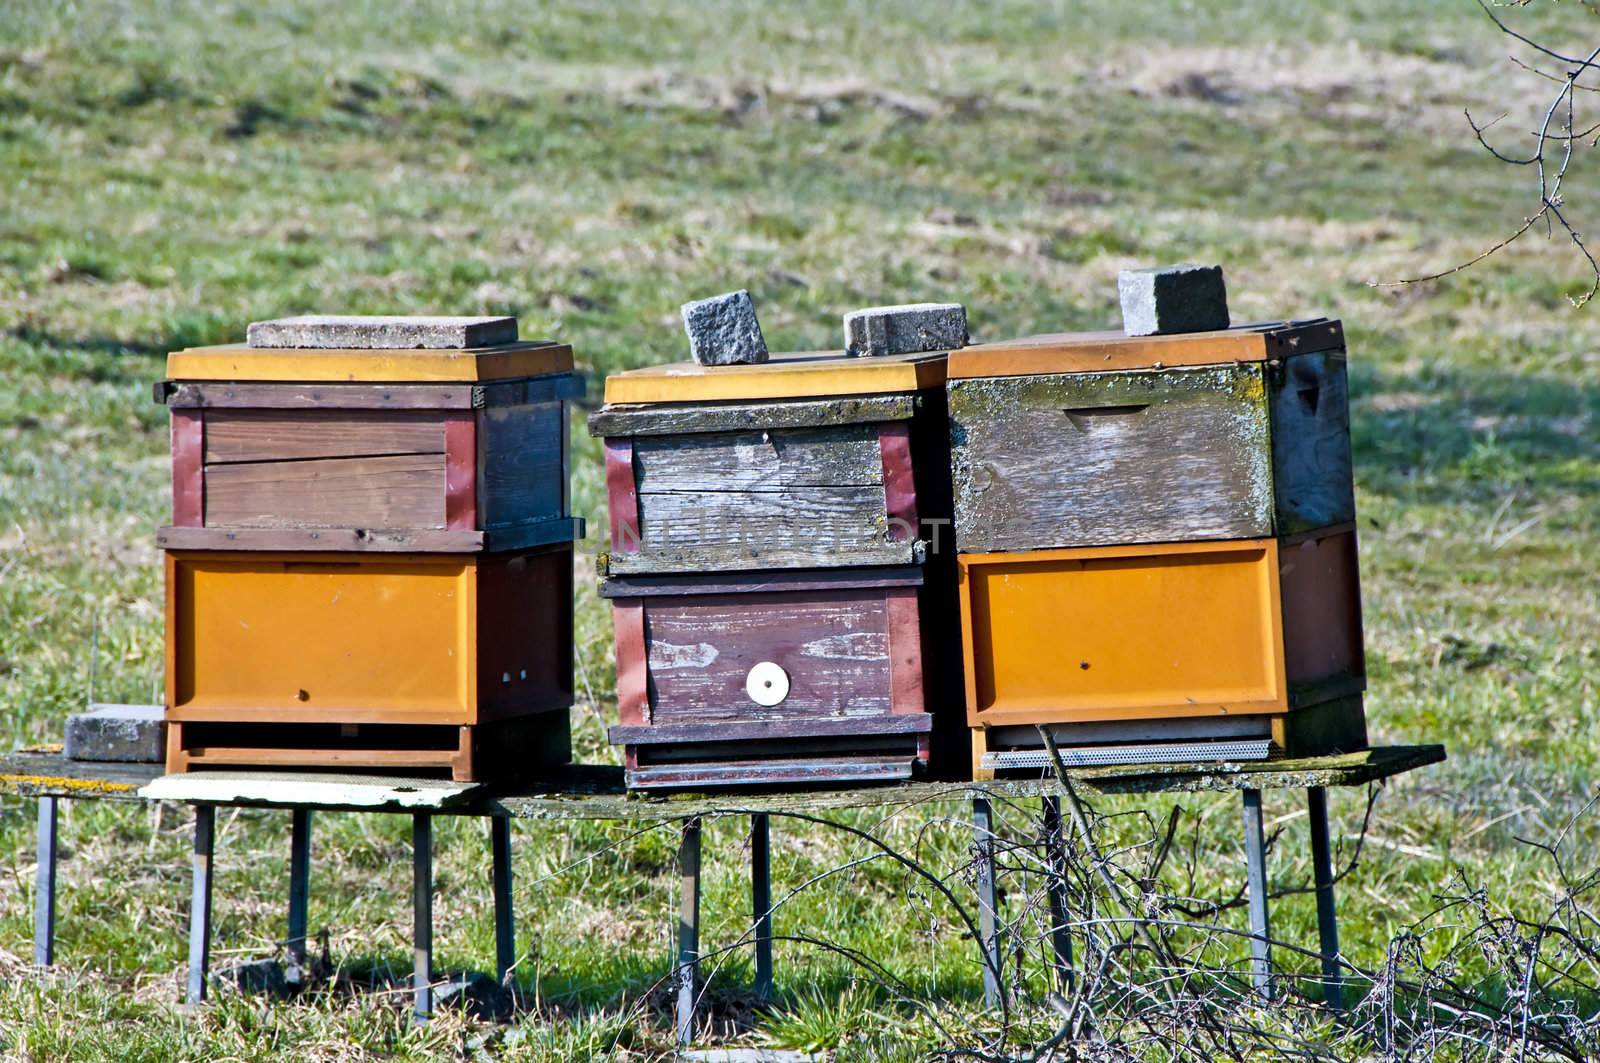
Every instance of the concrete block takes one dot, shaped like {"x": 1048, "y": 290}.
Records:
{"x": 361, "y": 333}
{"x": 1165, "y": 300}
{"x": 723, "y": 330}
{"x": 125, "y": 734}
{"x": 906, "y": 329}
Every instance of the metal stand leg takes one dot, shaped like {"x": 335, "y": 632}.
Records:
{"x": 422, "y": 914}
{"x": 205, "y": 825}
{"x": 988, "y": 900}
{"x": 1056, "y": 885}
{"x": 761, "y": 903}
{"x": 1255, "y": 851}
{"x": 44, "y": 890}
{"x": 1327, "y": 918}
{"x": 505, "y": 926}
{"x": 299, "y": 891}
{"x": 688, "y": 927}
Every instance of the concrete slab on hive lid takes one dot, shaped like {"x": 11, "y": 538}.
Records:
{"x": 373, "y": 332}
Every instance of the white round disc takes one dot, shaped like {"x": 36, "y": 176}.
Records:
{"x": 767, "y": 684}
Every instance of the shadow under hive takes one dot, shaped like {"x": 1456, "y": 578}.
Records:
{"x": 370, "y": 559}
{"x": 1157, "y": 549}
{"x": 782, "y": 615}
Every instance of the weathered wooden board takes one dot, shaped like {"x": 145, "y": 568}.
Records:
{"x": 1086, "y": 459}
{"x": 333, "y": 396}
{"x": 521, "y": 476}
{"x": 1143, "y": 456}
{"x": 790, "y": 498}
{"x": 1313, "y": 482}
{"x": 678, "y": 419}
{"x": 386, "y": 491}
{"x": 596, "y": 792}
{"x": 281, "y": 435}
{"x": 834, "y": 645}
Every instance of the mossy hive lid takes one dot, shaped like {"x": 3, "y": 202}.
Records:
{"x": 796, "y": 375}
{"x": 238, "y": 362}
{"x": 1098, "y": 352}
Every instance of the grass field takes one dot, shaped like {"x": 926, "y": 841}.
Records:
{"x": 172, "y": 171}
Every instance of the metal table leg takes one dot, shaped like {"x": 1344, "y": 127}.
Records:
{"x": 688, "y": 927}
{"x": 505, "y": 927}
{"x": 1055, "y": 854}
{"x": 761, "y": 902}
{"x": 44, "y": 890}
{"x": 205, "y": 825}
{"x": 988, "y": 900}
{"x": 1327, "y": 918}
{"x": 1255, "y": 850}
{"x": 299, "y": 891}
{"x": 422, "y": 914}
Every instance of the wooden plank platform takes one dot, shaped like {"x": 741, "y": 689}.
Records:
{"x": 591, "y": 791}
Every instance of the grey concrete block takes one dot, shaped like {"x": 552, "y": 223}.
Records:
{"x": 906, "y": 329}
{"x": 125, "y": 734}
{"x": 1165, "y": 300}
{"x": 723, "y": 330}
{"x": 361, "y": 333}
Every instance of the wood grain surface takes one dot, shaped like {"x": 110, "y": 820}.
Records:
{"x": 1087, "y": 459}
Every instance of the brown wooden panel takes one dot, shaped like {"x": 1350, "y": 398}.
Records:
{"x": 1321, "y": 592}
{"x": 279, "y": 435}
{"x": 354, "y": 540}
{"x": 1089, "y": 459}
{"x": 399, "y": 491}
{"x": 834, "y": 645}
{"x": 524, "y": 633}
{"x": 188, "y": 477}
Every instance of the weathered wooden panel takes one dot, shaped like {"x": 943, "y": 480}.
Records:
{"x": 1095, "y": 458}
{"x": 397, "y": 491}
{"x": 834, "y": 645}
{"x": 683, "y": 418}
{"x": 789, "y": 498}
{"x": 1311, "y": 441}
{"x": 846, "y": 456}
{"x": 520, "y": 473}
{"x": 279, "y": 435}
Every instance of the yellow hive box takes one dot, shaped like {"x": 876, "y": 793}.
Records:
{"x": 350, "y": 659}
{"x": 1258, "y": 626}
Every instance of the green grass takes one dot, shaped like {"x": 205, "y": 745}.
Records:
{"x": 174, "y": 171}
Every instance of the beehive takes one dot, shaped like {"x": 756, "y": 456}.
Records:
{"x": 369, "y": 562}
{"x": 781, "y": 572}
{"x": 1157, "y": 548}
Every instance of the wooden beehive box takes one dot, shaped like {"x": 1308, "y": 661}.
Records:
{"x": 1157, "y": 548}
{"x": 456, "y": 451}
{"x": 781, "y": 570}
{"x": 1094, "y": 439}
{"x": 809, "y": 460}
{"x": 369, "y": 563}
{"x": 404, "y": 661}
